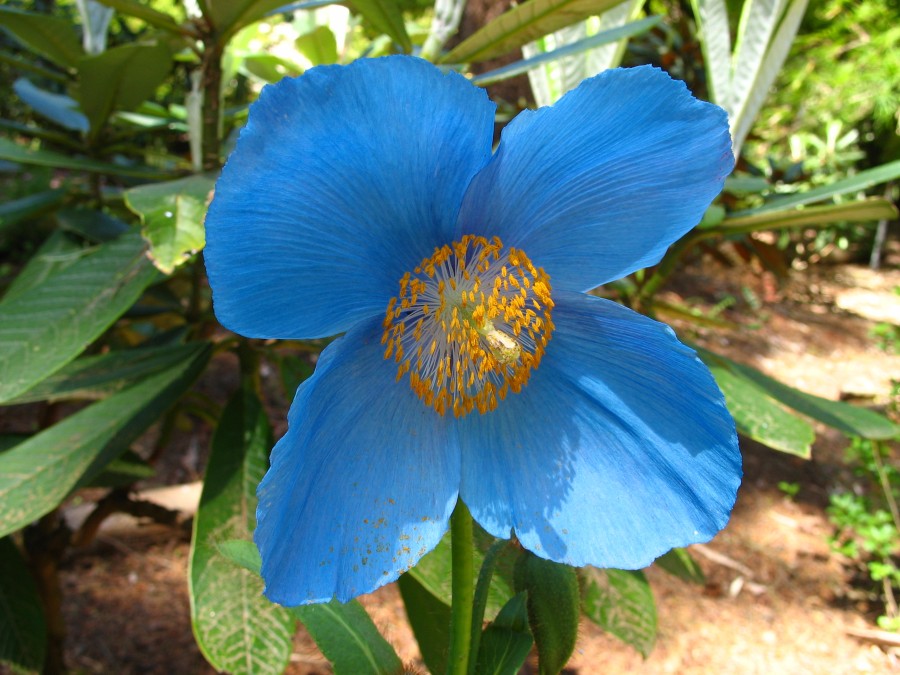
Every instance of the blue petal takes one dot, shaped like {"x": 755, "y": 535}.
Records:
{"x": 600, "y": 184}
{"x": 618, "y": 449}
{"x": 362, "y": 485}
{"x": 342, "y": 180}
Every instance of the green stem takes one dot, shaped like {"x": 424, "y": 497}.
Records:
{"x": 463, "y": 586}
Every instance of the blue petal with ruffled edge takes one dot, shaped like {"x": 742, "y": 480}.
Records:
{"x": 361, "y": 486}
{"x": 601, "y": 183}
{"x": 619, "y": 448}
{"x": 342, "y": 180}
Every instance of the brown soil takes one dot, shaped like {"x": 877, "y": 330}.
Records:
{"x": 777, "y": 600}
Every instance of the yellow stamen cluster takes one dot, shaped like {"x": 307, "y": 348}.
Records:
{"x": 469, "y": 325}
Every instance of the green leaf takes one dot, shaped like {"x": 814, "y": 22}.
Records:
{"x": 319, "y": 46}
{"x": 36, "y": 475}
{"x": 96, "y": 377}
{"x": 229, "y": 16}
{"x": 123, "y": 471}
{"x": 861, "y": 181}
{"x": 242, "y": 553}
{"x": 846, "y": 418}
{"x": 385, "y": 16}
{"x": 147, "y": 14}
{"x": 23, "y": 631}
{"x": 679, "y": 563}
{"x": 524, "y": 23}
{"x": 50, "y": 36}
{"x": 553, "y": 609}
{"x": 237, "y": 628}
{"x": 48, "y": 325}
{"x": 13, "y": 152}
{"x": 429, "y": 617}
{"x": 56, "y": 253}
{"x": 95, "y": 226}
{"x": 120, "y": 78}
{"x": 505, "y": 643}
{"x": 347, "y": 637}
{"x": 621, "y": 603}
{"x": 58, "y": 108}
{"x": 756, "y": 414}
{"x": 172, "y": 214}
{"x": 715, "y": 41}
{"x": 606, "y": 37}
{"x": 293, "y": 370}
{"x": 17, "y": 210}
{"x": 874, "y": 208}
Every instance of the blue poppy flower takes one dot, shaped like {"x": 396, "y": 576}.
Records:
{"x": 365, "y": 200}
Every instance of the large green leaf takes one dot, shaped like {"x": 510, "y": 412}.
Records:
{"x": 553, "y": 608}
{"x": 385, "y": 16}
{"x": 36, "y": 475}
{"x": 23, "y": 631}
{"x": 505, "y": 643}
{"x": 237, "y": 628}
{"x": 679, "y": 563}
{"x": 52, "y": 37}
{"x": 17, "y": 210}
{"x": 757, "y": 415}
{"x": 849, "y": 419}
{"x": 96, "y": 377}
{"x": 120, "y": 79}
{"x": 58, "y": 108}
{"x": 522, "y": 24}
{"x": 349, "y": 639}
{"x": 621, "y": 603}
{"x": 429, "y": 618}
{"x": 145, "y": 12}
{"x": 172, "y": 214}
{"x": 13, "y": 152}
{"x": 47, "y": 326}
{"x": 343, "y": 632}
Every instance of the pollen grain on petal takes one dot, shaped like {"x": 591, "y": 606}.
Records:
{"x": 477, "y": 317}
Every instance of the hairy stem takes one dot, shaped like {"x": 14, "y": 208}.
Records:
{"x": 463, "y": 585}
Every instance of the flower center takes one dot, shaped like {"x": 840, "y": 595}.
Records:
{"x": 469, "y": 325}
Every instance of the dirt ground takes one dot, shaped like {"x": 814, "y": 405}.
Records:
{"x": 777, "y": 600}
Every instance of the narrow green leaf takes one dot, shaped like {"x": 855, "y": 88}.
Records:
{"x": 13, "y": 152}
{"x": 755, "y": 30}
{"x": 96, "y": 226}
{"x": 747, "y": 108}
{"x": 349, "y": 640}
{"x": 621, "y": 603}
{"x": 679, "y": 563}
{"x": 865, "y": 210}
{"x": 756, "y": 414}
{"x": 606, "y": 37}
{"x": 385, "y": 16}
{"x": 36, "y": 475}
{"x": 553, "y": 609}
{"x": 58, "y": 108}
{"x": 319, "y": 46}
{"x": 50, "y": 36}
{"x": 861, "y": 181}
{"x": 123, "y": 471}
{"x": 96, "y": 377}
{"x": 120, "y": 78}
{"x": 237, "y": 628}
{"x": 505, "y": 643}
{"x": 715, "y": 41}
{"x": 47, "y": 326}
{"x": 848, "y": 419}
{"x": 429, "y": 617}
{"x": 522, "y": 24}
{"x": 17, "y": 210}
{"x": 23, "y": 631}
{"x": 147, "y": 14}
{"x": 172, "y": 214}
